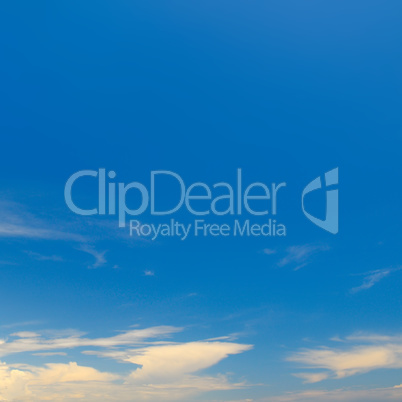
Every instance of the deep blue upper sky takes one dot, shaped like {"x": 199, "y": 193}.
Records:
{"x": 284, "y": 90}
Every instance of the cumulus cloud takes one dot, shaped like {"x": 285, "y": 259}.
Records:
{"x": 28, "y": 383}
{"x": 159, "y": 369}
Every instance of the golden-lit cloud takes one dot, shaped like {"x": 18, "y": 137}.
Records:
{"x": 370, "y": 353}
{"x": 159, "y": 369}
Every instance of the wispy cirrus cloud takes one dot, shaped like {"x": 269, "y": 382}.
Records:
{"x": 50, "y": 340}
{"x": 35, "y": 232}
{"x": 40, "y": 257}
{"x": 20, "y": 324}
{"x": 373, "y": 277}
{"x": 16, "y": 222}
{"x": 300, "y": 255}
{"x": 98, "y": 255}
{"x": 25, "y": 334}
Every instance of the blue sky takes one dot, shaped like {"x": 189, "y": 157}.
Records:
{"x": 285, "y": 91}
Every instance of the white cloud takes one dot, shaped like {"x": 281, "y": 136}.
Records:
{"x": 21, "y": 230}
{"x": 40, "y": 257}
{"x": 149, "y": 273}
{"x": 300, "y": 254}
{"x": 20, "y": 324}
{"x": 2, "y": 262}
{"x": 372, "y": 277}
{"x": 16, "y": 222}
{"x": 98, "y": 255}
{"x": 25, "y": 334}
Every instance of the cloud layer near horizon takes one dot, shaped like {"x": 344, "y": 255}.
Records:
{"x": 159, "y": 370}
{"x": 356, "y": 354}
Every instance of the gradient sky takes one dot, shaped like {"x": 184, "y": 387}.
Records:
{"x": 285, "y": 91}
